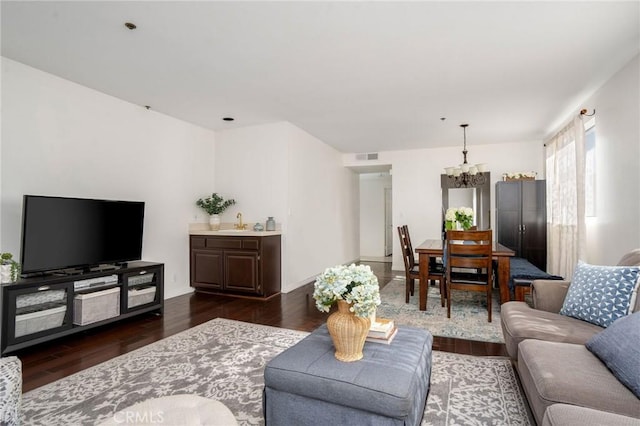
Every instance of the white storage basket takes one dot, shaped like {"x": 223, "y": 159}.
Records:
{"x": 97, "y": 306}
{"x": 40, "y": 320}
{"x": 141, "y": 296}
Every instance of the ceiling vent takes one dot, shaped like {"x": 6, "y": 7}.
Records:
{"x": 367, "y": 156}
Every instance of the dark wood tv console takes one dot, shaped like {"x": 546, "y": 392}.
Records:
{"x": 39, "y": 309}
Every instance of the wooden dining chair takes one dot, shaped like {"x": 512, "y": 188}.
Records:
{"x": 411, "y": 270}
{"x": 470, "y": 253}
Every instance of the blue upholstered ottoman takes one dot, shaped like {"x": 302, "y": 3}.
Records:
{"x": 307, "y": 385}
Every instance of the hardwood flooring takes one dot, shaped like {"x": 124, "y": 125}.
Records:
{"x": 51, "y": 361}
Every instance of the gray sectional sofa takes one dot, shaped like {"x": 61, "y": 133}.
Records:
{"x": 556, "y": 360}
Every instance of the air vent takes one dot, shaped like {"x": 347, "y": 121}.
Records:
{"x": 367, "y": 156}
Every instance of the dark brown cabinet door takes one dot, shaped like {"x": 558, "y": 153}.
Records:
{"x": 207, "y": 268}
{"x": 241, "y": 270}
{"x": 521, "y": 219}
{"x": 534, "y": 223}
{"x": 508, "y": 215}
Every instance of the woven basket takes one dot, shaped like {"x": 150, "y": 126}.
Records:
{"x": 348, "y": 332}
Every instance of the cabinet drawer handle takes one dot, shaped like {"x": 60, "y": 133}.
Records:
{"x": 43, "y": 288}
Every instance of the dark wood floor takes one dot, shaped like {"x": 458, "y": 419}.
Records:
{"x": 51, "y": 361}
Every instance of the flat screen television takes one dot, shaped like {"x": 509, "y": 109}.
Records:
{"x": 60, "y": 233}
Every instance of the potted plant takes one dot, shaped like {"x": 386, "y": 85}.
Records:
{"x": 9, "y": 268}
{"x": 355, "y": 290}
{"x": 214, "y": 205}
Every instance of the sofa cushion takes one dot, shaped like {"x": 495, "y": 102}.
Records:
{"x": 601, "y": 294}
{"x": 618, "y": 346}
{"x": 563, "y": 414}
{"x": 564, "y": 373}
{"x": 630, "y": 259}
{"x": 519, "y": 322}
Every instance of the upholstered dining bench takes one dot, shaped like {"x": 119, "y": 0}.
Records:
{"x": 307, "y": 385}
{"x": 521, "y": 275}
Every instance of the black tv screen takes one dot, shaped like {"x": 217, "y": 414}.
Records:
{"x": 62, "y": 233}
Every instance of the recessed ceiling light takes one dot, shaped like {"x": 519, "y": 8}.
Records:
{"x": 130, "y": 25}
{"x": 228, "y": 119}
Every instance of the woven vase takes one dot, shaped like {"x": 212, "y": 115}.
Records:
{"x": 348, "y": 332}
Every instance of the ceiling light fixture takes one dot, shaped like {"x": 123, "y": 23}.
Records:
{"x": 465, "y": 175}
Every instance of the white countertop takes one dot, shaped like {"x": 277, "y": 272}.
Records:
{"x": 228, "y": 231}
{"x": 234, "y": 233}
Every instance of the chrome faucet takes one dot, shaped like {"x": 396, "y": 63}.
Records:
{"x": 240, "y": 225}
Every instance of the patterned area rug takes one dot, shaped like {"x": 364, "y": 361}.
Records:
{"x": 224, "y": 360}
{"x": 468, "y": 312}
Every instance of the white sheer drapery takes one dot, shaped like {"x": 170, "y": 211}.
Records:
{"x": 565, "y": 199}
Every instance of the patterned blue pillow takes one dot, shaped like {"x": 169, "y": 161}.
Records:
{"x": 601, "y": 294}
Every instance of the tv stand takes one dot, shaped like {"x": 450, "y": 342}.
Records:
{"x": 46, "y": 307}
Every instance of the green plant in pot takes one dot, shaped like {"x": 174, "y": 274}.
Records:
{"x": 9, "y": 268}
{"x": 214, "y": 205}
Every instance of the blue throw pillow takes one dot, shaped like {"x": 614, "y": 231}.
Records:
{"x": 601, "y": 294}
{"x": 618, "y": 347}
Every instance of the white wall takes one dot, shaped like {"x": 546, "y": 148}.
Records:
{"x": 372, "y": 205}
{"x": 251, "y": 167}
{"x": 324, "y": 209}
{"x": 60, "y": 138}
{"x": 279, "y": 170}
{"x": 616, "y": 228}
{"x": 417, "y": 198}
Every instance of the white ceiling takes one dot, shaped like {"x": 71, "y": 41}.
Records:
{"x": 360, "y": 76}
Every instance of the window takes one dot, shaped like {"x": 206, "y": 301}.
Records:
{"x": 590, "y": 168}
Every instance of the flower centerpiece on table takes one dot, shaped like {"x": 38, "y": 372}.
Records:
{"x": 355, "y": 284}
{"x": 462, "y": 215}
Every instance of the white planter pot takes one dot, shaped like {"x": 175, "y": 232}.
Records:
{"x": 214, "y": 222}
{"x": 5, "y": 274}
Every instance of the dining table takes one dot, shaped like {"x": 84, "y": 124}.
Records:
{"x": 433, "y": 248}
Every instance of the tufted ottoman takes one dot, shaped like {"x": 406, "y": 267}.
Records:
{"x": 307, "y": 385}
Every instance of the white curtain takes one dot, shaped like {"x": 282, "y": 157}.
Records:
{"x": 565, "y": 199}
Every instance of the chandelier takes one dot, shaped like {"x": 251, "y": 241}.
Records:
{"x": 465, "y": 175}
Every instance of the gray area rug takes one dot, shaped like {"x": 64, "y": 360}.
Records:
{"x": 224, "y": 360}
{"x": 468, "y": 312}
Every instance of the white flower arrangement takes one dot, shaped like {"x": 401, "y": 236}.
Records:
{"x": 355, "y": 284}
{"x": 464, "y": 215}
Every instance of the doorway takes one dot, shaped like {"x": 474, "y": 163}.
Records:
{"x": 388, "y": 222}
{"x": 376, "y": 216}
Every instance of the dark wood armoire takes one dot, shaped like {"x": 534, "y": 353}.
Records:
{"x": 521, "y": 219}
